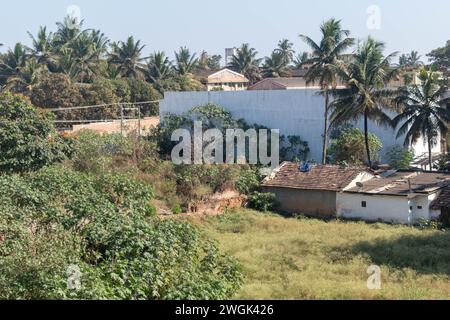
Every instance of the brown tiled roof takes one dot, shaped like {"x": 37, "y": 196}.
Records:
{"x": 330, "y": 178}
{"x": 442, "y": 200}
{"x": 403, "y": 183}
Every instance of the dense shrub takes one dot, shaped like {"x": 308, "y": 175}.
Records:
{"x": 56, "y": 219}
{"x": 399, "y": 158}
{"x": 248, "y": 181}
{"x": 262, "y": 201}
{"x": 349, "y": 147}
{"x": 28, "y": 140}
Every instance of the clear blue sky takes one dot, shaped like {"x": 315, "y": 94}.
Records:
{"x": 213, "y": 25}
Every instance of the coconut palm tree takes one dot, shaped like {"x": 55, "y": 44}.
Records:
{"x": 26, "y": 78}
{"x": 84, "y": 57}
{"x": 366, "y": 95}
{"x": 325, "y": 54}
{"x": 42, "y": 49}
{"x": 159, "y": 67}
{"x": 245, "y": 62}
{"x": 12, "y": 62}
{"x": 67, "y": 31}
{"x": 301, "y": 59}
{"x": 286, "y": 51}
{"x": 127, "y": 57}
{"x": 185, "y": 62}
{"x": 275, "y": 66}
{"x": 423, "y": 111}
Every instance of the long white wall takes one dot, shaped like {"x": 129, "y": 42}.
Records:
{"x": 294, "y": 112}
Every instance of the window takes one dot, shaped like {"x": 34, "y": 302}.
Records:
{"x": 419, "y": 207}
{"x": 364, "y": 204}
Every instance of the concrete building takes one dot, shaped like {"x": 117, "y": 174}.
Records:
{"x": 226, "y": 80}
{"x": 397, "y": 197}
{"x": 284, "y": 84}
{"x": 294, "y": 112}
{"x": 355, "y": 193}
{"x": 315, "y": 192}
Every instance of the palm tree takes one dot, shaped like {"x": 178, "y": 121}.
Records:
{"x": 286, "y": 51}
{"x": 424, "y": 111}
{"x": 12, "y": 62}
{"x": 127, "y": 57}
{"x": 301, "y": 59}
{"x": 67, "y": 31}
{"x": 185, "y": 62}
{"x": 42, "y": 48}
{"x": 325, "y": 55}
{"x": 366, "y": 95}
{"x": 245, "y": 62}
{"x": 275, "y": 66}
{"x": 28, "y": 76}
{"x": 159, "y": 67}
{"x": 84, "y": 58}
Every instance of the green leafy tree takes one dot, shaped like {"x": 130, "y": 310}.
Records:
{"x": 424, "y": 111}
{"x": 366, "y": 95}
{"x": 440, "y": 58}
{"x": 28, "y": 139}
{"x": 349, "y": 147}
{"x": 399, "y": 158}
{"x": 325, "y": 55}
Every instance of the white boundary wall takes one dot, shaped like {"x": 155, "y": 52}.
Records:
{"x": 294, "y": 112}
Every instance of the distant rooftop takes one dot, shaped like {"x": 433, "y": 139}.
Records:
{"x": 399, "y": 183}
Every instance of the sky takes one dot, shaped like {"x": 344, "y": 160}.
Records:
{"x": 404, "y": 25}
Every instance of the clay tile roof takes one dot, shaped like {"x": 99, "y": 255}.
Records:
{"x": 329, "y": 178}
{"x": 442, "y": 200}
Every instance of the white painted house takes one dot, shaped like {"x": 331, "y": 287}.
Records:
{"x": 397, "y": 197}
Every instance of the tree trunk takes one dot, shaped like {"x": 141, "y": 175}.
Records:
{"x": 366, "y": 137}
{"x": 325, "y": 130}
{"x": 430, "y": 156}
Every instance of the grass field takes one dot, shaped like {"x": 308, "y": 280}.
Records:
{"x": 290, "y": 258}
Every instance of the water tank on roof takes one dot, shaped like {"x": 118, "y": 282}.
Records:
{"x": 306, "y": 167}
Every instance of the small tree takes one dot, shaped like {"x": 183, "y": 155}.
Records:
{"x": 399, "y": 158}
{"x": 349, "y": 147}
{"x": 28, "y": 140}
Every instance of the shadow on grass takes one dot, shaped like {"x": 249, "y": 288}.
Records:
{"x": 426, "y": 254}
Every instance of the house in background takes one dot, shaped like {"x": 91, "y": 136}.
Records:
{"x": 226, "y": 80}
{"x": 394, "y": 196}
{"x": 356, "y": 193}
{"x": 285, "y": 84}
{"x": 314, "y": 192}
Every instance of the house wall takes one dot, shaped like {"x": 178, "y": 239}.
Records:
{"x": 396, "y": 209}
{"x": 310, "y": 202}
{"x": 294, "y": 112}
{"x": 385, "y": 208}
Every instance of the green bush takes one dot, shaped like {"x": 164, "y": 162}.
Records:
{"x": 399, "y": 158}
{"x": 56, "y": 218}
{"x": 28, "y": 139}
{"x": 248, "y": 182}
{"x": 176, "y": 209}
{"x": 262, "y": 201}
{"x": 349, "y": 147}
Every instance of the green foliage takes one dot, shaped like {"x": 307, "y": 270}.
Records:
{"x": 262, "y": 201}
{"x": 56, "y": 218}
{"x": 349, "y": 147}
{"x": 399, "y": 158}
{"x": 28, "y": 140}
{"x": 248, "y": 182}
{"x": 294, "y": 149}
{"x": 176, "y": 209}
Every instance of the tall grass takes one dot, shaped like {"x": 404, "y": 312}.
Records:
{"x": 287, "y": 258}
